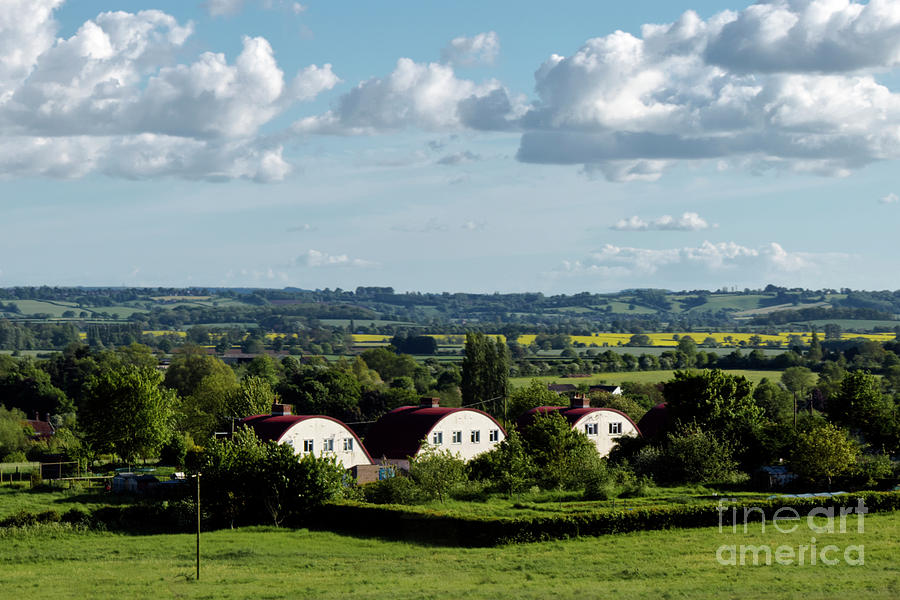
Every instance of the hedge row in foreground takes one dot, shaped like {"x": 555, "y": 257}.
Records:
{"x": 401, "y": 522}
{"x": 433, "y": 527}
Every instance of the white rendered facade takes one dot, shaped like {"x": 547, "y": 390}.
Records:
{"x": 465, "y": 433}
{"x": 604, "y": 427}
{"x": 325, "y": 437}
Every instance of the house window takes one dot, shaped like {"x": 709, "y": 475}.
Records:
{"x": 437, "y": 438}
{"x": 328, "y": 445}
{"x": 457, "y": 437}
{"x": 307, "y": 445}
{"x": 475, "y": 437}
{"x": 615, "y": 428}
{"x": 348, "y": 444}
{"x": 494, "y": 435}
{"x": 590, "y": 428}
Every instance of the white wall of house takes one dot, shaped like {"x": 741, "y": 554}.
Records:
{"x": 465, "y": 433}
{"x": 324, "y": 437}
{"x": 603, "y": 428}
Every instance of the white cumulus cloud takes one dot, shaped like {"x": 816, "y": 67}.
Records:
{"x": 317, "y": 258}
{"x": 707, "y": 264}
{"x": 111, "y": 98}
{"x": 465, "y": 51}
{"x": 891, "y": 198}
{"x": 689, "y": 221}
{"x": 782, "y": 84}
{"x": 415, "y": 95}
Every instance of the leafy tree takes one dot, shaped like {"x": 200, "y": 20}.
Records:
{"x": 485, "y": 371}
{"x": 190, "y": 365}
{"x": 777, "y": 403}
{"x": 208, "y": 408}
{"x": 696, "y": 455}
{"x": 253, "y": 397}
{"x": 126, "y": 412}
{"x": 799, "y": 381}
{"x": 250, "y": 481}
{"x": 508, "y": 466}
{"x": 715, "y": 401}
{"x": 436, "y": 472}
{"x": 264, "y": 367}
{"x": 530, "y": 396}
{"x": 824, "y": 451}
{"x": 861, "y": 406}
{"x": 29, "y": 388}
{"x": 562, "y": 456}
{"x": 13, "y": 436}
{"x": 639, "y": 339}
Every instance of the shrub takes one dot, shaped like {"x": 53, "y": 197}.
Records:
{"x": 695, "y": 455}
{"x": 394, "y": 490}
{"x": 436, "y": 472}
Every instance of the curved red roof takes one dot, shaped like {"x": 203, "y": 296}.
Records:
{"x": 273, "y": 427}
{"x": 572, "y": 415}
{"x": 655, "y": 420}
{"x": 399, "y": 433}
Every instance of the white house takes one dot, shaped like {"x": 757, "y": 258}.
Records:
{"x": 465, "y": 432}
{"x": 603, "y": 426}
{"x": 310, "y": 434}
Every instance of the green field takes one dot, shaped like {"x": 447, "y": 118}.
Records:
{"x": 858, "y": 325}
{"x": 281, "y": 563}
{"x": 636, "y": 376}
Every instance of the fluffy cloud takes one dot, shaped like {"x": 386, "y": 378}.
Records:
{"x": 890, "y": 199}
{"x": 110, "y": 98}
{"x": 706, "y": 264}
{"x": 316, "y": 258}
{"x": 465, "y": 51}
{"x": 787, "y": 84}
{"x": 425, "y": 96}
{"x": 689, "y": 221}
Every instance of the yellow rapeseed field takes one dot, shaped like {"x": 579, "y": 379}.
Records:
{"x": 657, "y": 339}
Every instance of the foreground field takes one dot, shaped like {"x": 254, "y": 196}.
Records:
{"x": 271, "y": 563}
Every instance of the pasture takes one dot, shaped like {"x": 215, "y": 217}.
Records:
{"x": 636, "y": 376}
{"x": 54, "y": 562}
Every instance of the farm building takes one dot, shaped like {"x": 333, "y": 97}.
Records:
{"x": 603, "y": 426}
{"x": 655, "y": 421}
{"x": 465, "y": 432}
{"x": 310, "y": 434}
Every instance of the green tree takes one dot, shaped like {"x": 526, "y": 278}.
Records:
{"x": 508, "y": 466}
{"x": 436, "y": 472}
{"x": 862, "y": 407}
{"x": 696, "y": 455}
{"x": 714, "y": 400}
{"x": 13, "y": 436}
{"x": 776, "y": 402}
{"x": 563, "y": 457}
{"x": 824, "y": 451}
{"x": 530, "y": 396}
{"x": 125, "y": 411}
{"x": 799, "y": 381}
{"x": 485, "y": 372}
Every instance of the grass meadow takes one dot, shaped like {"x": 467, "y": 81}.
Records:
{"x": 52, "y": 562}
{"x": 636, "y": 376}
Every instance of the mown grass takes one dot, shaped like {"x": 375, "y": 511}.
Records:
{"x": 275, "y": 563}
{"x": 21, "y": 497}
{"x": 636, "y": 376}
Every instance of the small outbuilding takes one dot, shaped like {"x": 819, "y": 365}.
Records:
{"x": 465, "y": 432}
{"x": 310, "y": 434}
{"x": 603, "y": 426}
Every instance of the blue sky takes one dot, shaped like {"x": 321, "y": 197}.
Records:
{"x": 465, "y": 146}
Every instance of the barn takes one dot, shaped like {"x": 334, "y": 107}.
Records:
{"x": 465, "y": 432}
{"x": 310, "y": 434}
{"x": 603, "y": 426}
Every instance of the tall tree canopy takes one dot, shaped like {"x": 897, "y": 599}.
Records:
{"x": 125, "y": 411}
{"x": 485, "y": 372}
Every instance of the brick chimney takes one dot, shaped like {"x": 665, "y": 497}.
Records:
{"x": 429, "y": 402}
{"x": 579, "y": 400}
{"x": 281, "y": 410}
